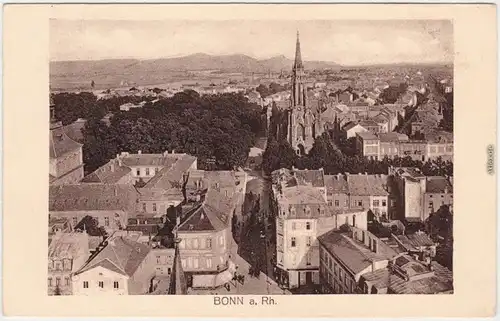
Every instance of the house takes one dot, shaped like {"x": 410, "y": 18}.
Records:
{"x": 303, "y": 212}
{"x": 367, "y": 144}
{"x": 346, "y": 255}
{"x": 110, "y": 205}
{"x": 67, "y": 252}
{"x": 65, "y": 154}
{"x": 351, "y": 129}
{"x": 206, "y": 240}
{"x": 418, "y": 195}
{"x": 129, "y": 106}
{"x": 120, "y": 266}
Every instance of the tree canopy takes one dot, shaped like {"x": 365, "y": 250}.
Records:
{"x": 218, "y": 129}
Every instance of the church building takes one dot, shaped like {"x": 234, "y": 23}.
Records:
{"x": 303, "y": 120}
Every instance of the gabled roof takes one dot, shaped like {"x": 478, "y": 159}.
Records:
{"x": 354, "y": 255}
{"x": 336, "y": 184}
{"x": 438, "y": 184}
{"x": 109, "y": 173}
{"x": 172, "y": 176}
{"x": 92, "y": 197}
{"x": 120, "y": 255}
{"x": 60, "y": 143}
{"x": 213, "y": 214}
{"x": 362, "y": 184}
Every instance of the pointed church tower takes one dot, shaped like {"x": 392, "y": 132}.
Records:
{"x": 298, "y": 75}
{"x": 178, "y": 284}
{"x": 302, "y": 127}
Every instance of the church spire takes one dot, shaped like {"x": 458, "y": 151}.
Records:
{"x": 177, "y": 278}
{"x": 298, "y": 56}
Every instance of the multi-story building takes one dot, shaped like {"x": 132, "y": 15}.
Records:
{"x": 378, "y": 146}
{"x": 67, "y": 253}
{"x": 66, "y": 157}
{"x": 206, "y": 240}
{"x": 346, "y": 255}
{"x": 303, "y": 211}
{"x": 418, "y": 195}
{"x": 110, "y": 205}
{"x": 120, "y": 266}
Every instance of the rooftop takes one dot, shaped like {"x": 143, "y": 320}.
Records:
{"x": 438, "y": 185}
{"x": 354, "y": 254}
{"x": 60, "y": 143}
{"x": 363, "y": 184}
{"x": 120, "y": 255}
{"x": 91, "y": 197}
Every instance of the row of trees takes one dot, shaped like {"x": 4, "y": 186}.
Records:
{"x": 324, "y": 154}
{"x": 218, "y": 129}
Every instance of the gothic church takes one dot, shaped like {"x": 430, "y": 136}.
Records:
{"x": 303, "y": 121}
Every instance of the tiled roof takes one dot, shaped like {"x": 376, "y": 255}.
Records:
{"x": 392, "y": 137}
{"x": 92, "y": 197}
{"x": 303, "y": 195}
{"x": 439, "y": 282}
{"x": 368, "y": 122}
{"x": 351, "y": 253}
{"x": 149, "y": 159}
{"x": 74, "y": 130}
{"x": 68, "y": 245}
{"x": 120, "y": 255}
{"x": 214, "y": 213}
{"x": 155, "y": 193}
{"x": 178, "y": 284}
{"x": 171, "y": 176}
{"x": 350, "y": 125}
{"x": 367, "y": 135}
{"x": 291, "y": 178}
{"x": 109, "y": 173}
{"x": 362, "y": 184}
{"x": 336, "y": 184}
{"x": 60, "y": 143}
{"x": 438, "y": 184}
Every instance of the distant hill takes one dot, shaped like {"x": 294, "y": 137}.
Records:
{"x": 195, "y": 62}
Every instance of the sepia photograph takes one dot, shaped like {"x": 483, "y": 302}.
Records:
{"x": 213, "y": 158}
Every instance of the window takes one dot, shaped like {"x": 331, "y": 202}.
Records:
{"x": 169, "y": 271}
{"x": 294, "y": 242}
{"x": 209, "y": 243}
{"x": 50, "y": 281}
{"x": 337, "y": 203}
{"x": 376, "y": 203}
{"x": 360, "y": 203}
{"x": 144, "y": 207}
{"x": 183, "y": 263}
{"x": 66, "y": 280}
{"x": 106, "y": 221}
{"x": 209, "y": 263}
{"x": 294, "y": 226}
{"x": 195, "y": 263}
{"x": 308, "y": 225}
{"x": 147, "y": 171}
{"x": 85, "y": 284}
{"x": 101, "y": 284}
{"x": 225, "y": 193}
{"x": 354, "y": 220}
{"x": 154, "y": 207}
{"x": 138, "y": 172}
{"x": 431, "y": 204}
{"x": 309, "y": 241}
{"x": 384, "y": 203}
{"x": 116, "y": 285}
{"x": 195, "y": 243}
{"x": 330, "y": 203}
{"x": 221, "y": 240}
{"x": 346, "y": 202}
{"x": 308, "y": 259}
{"x": 157, "y": 260}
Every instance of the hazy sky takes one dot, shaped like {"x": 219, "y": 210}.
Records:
{"x": 344, "y": 42}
